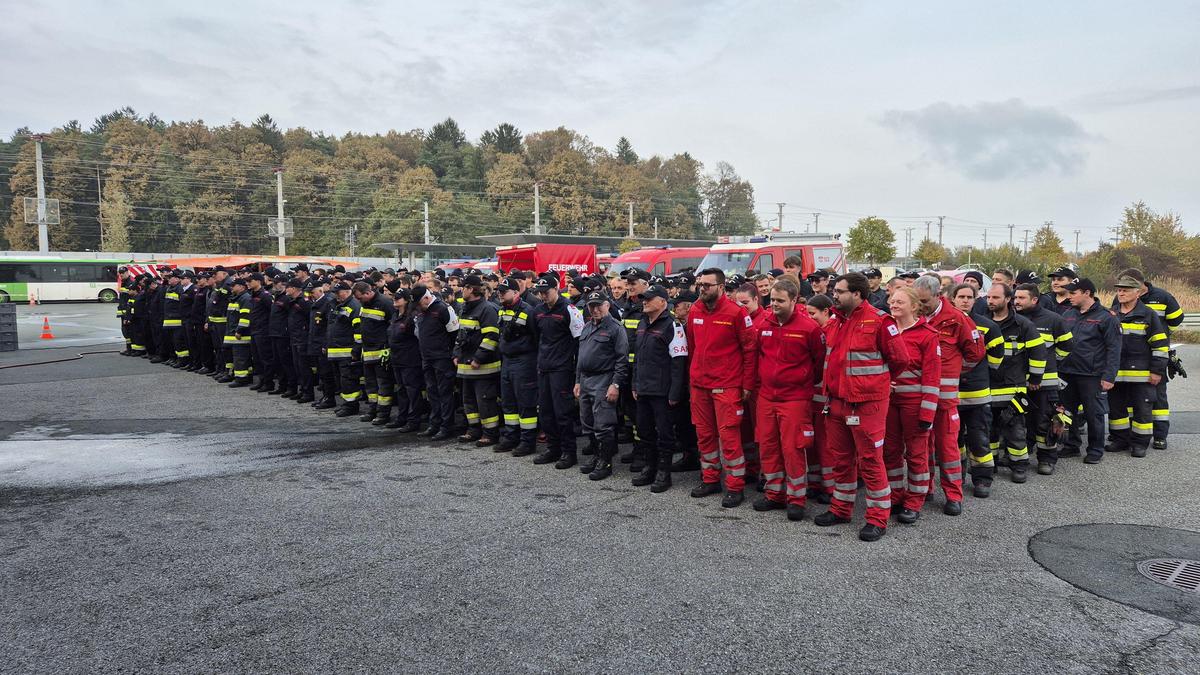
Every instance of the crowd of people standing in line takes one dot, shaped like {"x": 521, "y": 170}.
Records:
{"x": 805, "y": 385}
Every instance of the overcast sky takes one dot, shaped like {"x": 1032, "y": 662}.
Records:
{"x": 1015, "y": 112}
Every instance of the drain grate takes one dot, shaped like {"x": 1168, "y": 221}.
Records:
{"x": 1180, "y": 574}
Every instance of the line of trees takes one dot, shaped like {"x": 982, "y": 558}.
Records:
{"x": 139, "y": 183}
{"x": 1153, "y": 241}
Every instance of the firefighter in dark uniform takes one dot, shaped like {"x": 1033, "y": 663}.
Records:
{"x": 376, "y": 311}
{"x": 344, "y": 342}
{"x": 636, "y": 282}
{"x": 878, "y": 296}
{"x": 558, "y": 326}
{"x": 173, "y": 336}
{"x": 260, "y": 329}
{"x": 1170, "y": 313}
{"x": 216, "y": 307}
{"x": 318, "y": 343}
{"x": 199, "y": 344}
{"x": 1144, "y": 354}
{"x": 299, "y": 306}
{"x": 975, "y": 394}
{"x": 281, "y": 344}
{"x": 1024, "y": 364}
{"x": 601, "y": 370}
{"x": 155, "y": 297}
{"x": 659, "y": 378}
{"x": 135, "y": 316}
{"x": 404, "y": 358}
{"x": 1090, "y": 369}
{"x": 1043, "y": 399}
{"x": 238, "y": 336}
{"x": 518, "y": 371}
{"x": 477, "y": 362}
{"x": 437, "y": 328}
{"x": 1053, "y": 300}
{"x": 124, "y": 281}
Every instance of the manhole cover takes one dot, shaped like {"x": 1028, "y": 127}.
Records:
{"x": 1155, "y": 569}
{"x": 1183, "y": 575}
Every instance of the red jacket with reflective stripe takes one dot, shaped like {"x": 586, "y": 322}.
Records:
{"x": 922, "y": 368}
{"x": 961, "y": 342}
{"x": 827, "y": 332}
{"x": 790, "y": 357}
{"x": 721, "y": 346}
{"x": 863, "y": 347}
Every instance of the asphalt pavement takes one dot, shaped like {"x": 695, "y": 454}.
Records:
{"x": 154, "y": 520}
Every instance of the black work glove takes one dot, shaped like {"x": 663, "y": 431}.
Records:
{"x": 924, "y": 426}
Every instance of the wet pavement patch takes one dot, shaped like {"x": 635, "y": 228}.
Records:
{"x": 1125, "y": 563}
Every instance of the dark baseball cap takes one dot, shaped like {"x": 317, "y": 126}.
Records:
{"x": 912, "y": 274}
{"x": 1063, "y": 271}
{"x": 872, "y": 273}
{"x": 473, "y": 280}
{"x": 655, "y": 291}
{"x": 339, "y": 286}
{"x": 596, "y": 298}
{"x": 776, "y": 272}
{"x": 686, "y": 296}
{"x": 1082, "y": 285}
{"x": 1027, "y": 277}
{"x": 295, "y": 283}
{"x": 505, "y": 285}
{"x": 543, "y": 284}
{"x": 633, "y": 273}
{"x": 237, "y": 282}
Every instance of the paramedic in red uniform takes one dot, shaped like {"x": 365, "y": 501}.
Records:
{"x": 861, "y": 352}
{"x": 721, "y": 344}
{"x": 962, "y": 349}
{"x": 791, "y": 354}
{"x": 914, "y": 405}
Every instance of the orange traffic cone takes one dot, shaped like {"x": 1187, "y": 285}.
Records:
{"x": 46, "y": 334}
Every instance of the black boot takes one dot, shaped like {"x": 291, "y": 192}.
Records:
{"x": 689, "y": 462}
{"x": 290, "y": 392}
{"x": 546, "y": 457}
{"x": 566, "y": 461}
{"x": 644, "y": 477}
{"x": 524, "y": 450}
{"x": 347, "y": 409}
{"x": 326, "y": 403}
{"x": 604, "y": 457}
{"x": 369, "y": 413}
{"x": 591, "y": 447}
{"x": 593, "y": 459}
{"x": 662, "y": 481}
{"x": 383, "y": 415}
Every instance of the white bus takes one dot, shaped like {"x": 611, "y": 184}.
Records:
{"x": 48, "y": 279}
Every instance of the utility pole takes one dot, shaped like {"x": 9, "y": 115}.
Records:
{"x": 908, "y": 241}
{"x": 43, "y": 236}
{"x": 537, "y": 209}
{"x": 427, "y": 223}
{"x": 1076, "y": 243}
{"x": 352, "y": 238}
{"x": 279, "y": 209}
{"x": 985, "y": 240}
{"x": 100, "y": 207}
{"x": 816, "y": 222}
{"x": 631, "y": 220}
{"x": 656, "y": 227}
{"x": 781, "y": 205}
{"x": 1026, "y": 242}
{"x": 927, "y": 224}
{"x": 940, "y": 219}
{"x": 1010, "y": 234}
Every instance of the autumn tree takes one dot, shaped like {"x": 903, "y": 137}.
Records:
{"x": 871, "y": 239}
{"x": 1047, "y": 249}
{"x": 930, "y": 252}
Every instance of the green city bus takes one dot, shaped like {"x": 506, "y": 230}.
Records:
{"x": 48, "y": 279}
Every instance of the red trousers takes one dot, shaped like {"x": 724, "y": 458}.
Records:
{"x": 946, "y": 453}
{"x": 820, "y": 467}
{"x": 857, "y": 451}
{"x": 783, "y": 430}
{"x": 906, "y": 455}
{"x": 717, "y": 414}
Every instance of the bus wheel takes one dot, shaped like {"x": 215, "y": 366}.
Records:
{"x": 108, "y": 295}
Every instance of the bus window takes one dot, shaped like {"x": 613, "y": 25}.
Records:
{"x": 680, "y": 264}
{"x": 27, "y": 273}
{"x": 52, "y": 272}
{"x": 765, "y": 263}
